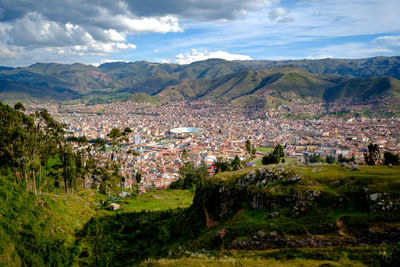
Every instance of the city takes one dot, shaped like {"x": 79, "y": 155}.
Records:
{"x": 226, "y": 129}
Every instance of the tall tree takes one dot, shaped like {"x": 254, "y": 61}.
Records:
{"x": 236, "y": 163}
{"x": 373, "y": 155}
{"x": 250, "y": 148}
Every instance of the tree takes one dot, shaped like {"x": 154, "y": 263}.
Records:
{"x": 250, "y": 148}
{"x": 373, "y": 155}
{"x": 117, "y": 137}
{"x": 390, "y": 158}
{"x": 184, "y": 154}
{"x": 271, "y": 158}
{"x": 279, "y": 150}
{"x": 314, "y": 158}
{"x": 330, "y": 159}
{"x": 190, "y": 177}
{"x": 275, "y": 156}
{"x": 34, "y": 150}
{"x": 138, "y": 177}
{"x": 236, "y": 163}
{"x": 343, "y": 159}
{"x": 221, "y": 164}
{"x": 69, "y": 168}
{"x": 19, "y": 106}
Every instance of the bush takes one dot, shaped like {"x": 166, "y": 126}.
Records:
{"x": 314, "y": 158}
{"x": 390, "y": 158}
{"x": 330, "y": 159}
{"x": 270, "y": 159}
{"x": 190, "y": 177}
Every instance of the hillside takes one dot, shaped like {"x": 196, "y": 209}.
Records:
{"x": 279, "y": 216}
{"x": 40, "y": 231}
{"x": 367, "y": 67}
{"x": 305, "y": 213}
{"x": 209, "y": 78}
{"x": 366, "y": 90}
{"x": 282, "y": 85}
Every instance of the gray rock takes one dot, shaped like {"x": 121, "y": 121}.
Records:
{"x": 354, "y": 167}
{"x": 375, "y": 196}
{"x": 261, "y": 234}
{"x": 114, "y": 206}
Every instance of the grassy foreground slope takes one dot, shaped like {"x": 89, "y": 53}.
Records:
{"x": 44, "y": 231}
{"x": 285, "y": 215}
{"x": 293, "y": 215}
{"x": 39, "y": 231}
{"x": 339, "y": 205}
{"x": 157, "y": 201}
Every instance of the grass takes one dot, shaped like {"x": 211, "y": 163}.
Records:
{"x": 326, "y": 172}
{"x": 334, "y": 182}
{"x": 39, "y": 231}
{"x": 72, "y": 228}
{"x": 157, "y": 201}
{"x": 143, "y": 97}
{"x": 251, "y": 262}
{"x": 258, "y": 161}
{"x": 265, "y": 149}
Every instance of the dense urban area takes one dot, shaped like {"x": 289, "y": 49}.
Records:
{"x": 222, "y": 131}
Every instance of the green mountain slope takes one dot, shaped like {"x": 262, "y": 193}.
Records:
{"x": 363, "y": 90}
{"x": 229, "y": 87}
{"x": 212, "y": 78}
{"x": 143, "y": 97}
{"x": 367, "y": 67}
{"x": 35, "y": 90}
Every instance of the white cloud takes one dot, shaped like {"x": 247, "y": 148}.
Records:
{"x": 33, "y": 32}
{"x": 277, "y": 12}
{"x": 105, "y": 35}
{"x": 156, "y": 25}
{"x": 195, "y": 55}
{"x": 348, "y": 50}
{"x": 388, "y": 40}
{"x": 8, "y": 51}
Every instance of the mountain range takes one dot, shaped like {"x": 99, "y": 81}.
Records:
{"x": 362, "y": 81}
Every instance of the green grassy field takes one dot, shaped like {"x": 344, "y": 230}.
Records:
{"x": 157, "y": 201}
{"x": 250, "y": 262}
{"x": 265, "y": 149}
{"x": 258, "y": 161}
{"x": 326, "y": 172}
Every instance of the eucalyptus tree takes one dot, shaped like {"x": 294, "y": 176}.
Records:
{"x": 116, "y": 139}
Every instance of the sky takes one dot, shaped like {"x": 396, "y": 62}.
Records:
{"x": 184, "y": 31}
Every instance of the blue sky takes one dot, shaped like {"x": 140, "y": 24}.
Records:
{"x": 183, "y": 31}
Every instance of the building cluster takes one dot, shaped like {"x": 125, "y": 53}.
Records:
{"x": 225, "y": 129}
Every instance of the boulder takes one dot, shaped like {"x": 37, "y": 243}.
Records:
{"x": 114, "y": 206}
{"x": 354, "y": 167}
